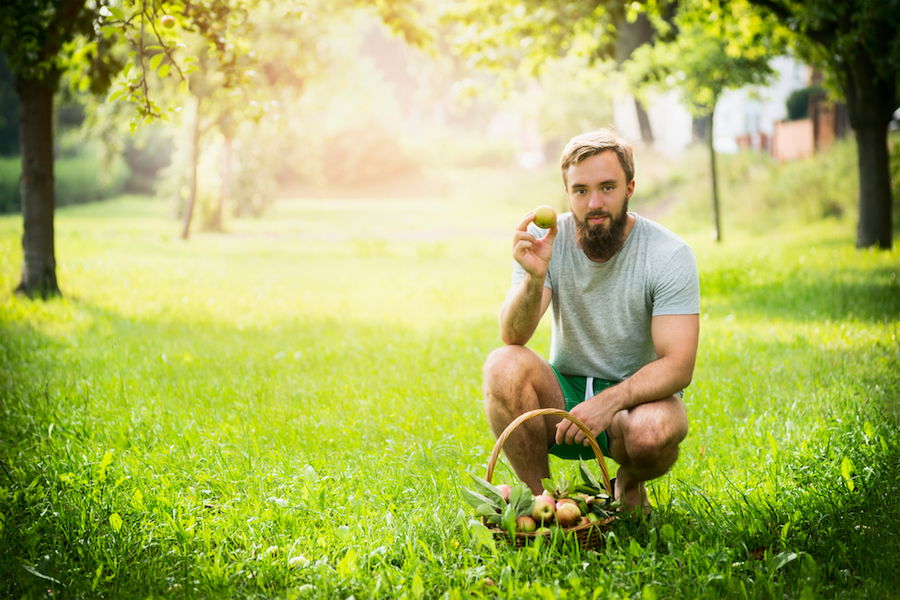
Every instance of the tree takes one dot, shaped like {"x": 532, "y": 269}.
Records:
{"x": 530, "y": 34}
{"x": 705, "y": 60}
{"x": 43, "y": 39}
{"x": 858, "y": 43}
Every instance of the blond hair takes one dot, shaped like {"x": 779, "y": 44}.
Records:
{"x": 588, "y": 144}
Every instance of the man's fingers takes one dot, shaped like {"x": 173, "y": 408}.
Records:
{"x": 566, "y": 431}
{"x": 551, "y": 235}
{"x": 528, "y": 220}
{"x": 520, "y": 236}
{"x": 521, "y": 247}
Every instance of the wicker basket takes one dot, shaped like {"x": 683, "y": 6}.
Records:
{"x": 589, "y": 535}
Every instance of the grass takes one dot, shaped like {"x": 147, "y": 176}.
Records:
{"x": 78, "y": 180}
{"x": 191, "y": 417}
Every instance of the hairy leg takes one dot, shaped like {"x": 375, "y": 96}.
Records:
{"x": 515, "y": 381}
{"x": 644, "y": 441}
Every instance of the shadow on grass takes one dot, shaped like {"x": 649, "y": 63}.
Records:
{"x": 847, "y": 539}
{"x": 872, "y": 296}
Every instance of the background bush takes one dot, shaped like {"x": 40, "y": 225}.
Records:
{"x": 79, "y": 179}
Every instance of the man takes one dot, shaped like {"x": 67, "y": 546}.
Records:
{"x": 626, "y": 302}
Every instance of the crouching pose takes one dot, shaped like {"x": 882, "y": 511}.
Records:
{"x": 626, "y": 300}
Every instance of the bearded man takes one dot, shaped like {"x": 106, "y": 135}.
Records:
{"x": 626, "y": 301}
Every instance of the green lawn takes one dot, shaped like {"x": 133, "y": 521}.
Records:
{"x": 290, "y": 409}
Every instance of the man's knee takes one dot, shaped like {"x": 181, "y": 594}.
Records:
{"x": 505, "y": 367}
{"x": 653, "y": 433}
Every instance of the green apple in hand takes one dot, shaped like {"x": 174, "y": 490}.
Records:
{"x": 545, "y": 217}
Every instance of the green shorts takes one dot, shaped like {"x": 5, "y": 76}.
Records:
{"x": 574, "y": 389}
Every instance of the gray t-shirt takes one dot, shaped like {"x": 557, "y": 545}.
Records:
{"x": 602, "y": 311}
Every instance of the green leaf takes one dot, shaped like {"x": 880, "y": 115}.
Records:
{"x": 868, "y": 429}
{"x": 508, "y": 521}
{"x": 485, "y": 510}
{"x": 488, "y": 489}
{"x": 346, "y": 567}
{"x": 482, "y": 535}
{"x": 116, "y": 13}
{"x": 417, "y": 588}
{"x": 588, "y": 477}
{"x": 164, "y": 70}
{"x": 109, "y": 31}
{"x": 524, "y": 504}
{"x": 40, "y": 575}
{"x": 515, "y": 494}
{"x": 847, "y": 473}
{"x": 783, "y": 559}
{"x": 474, "y": 499}
{"x": 154, "y": 62}
{"x": 115, "y": 522}
{"x": 548, "y": 484}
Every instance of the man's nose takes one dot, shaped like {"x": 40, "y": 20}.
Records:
{"x": 595, "y": 201}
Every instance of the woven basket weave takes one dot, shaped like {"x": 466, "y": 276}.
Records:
{"x": 589, "y": 535}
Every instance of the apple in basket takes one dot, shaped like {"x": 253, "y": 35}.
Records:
{"x": 568, "y": 514}
{"x": 526, "y": 524}
{"x": 505, "y": 489}
{"x": 544, "y": 509}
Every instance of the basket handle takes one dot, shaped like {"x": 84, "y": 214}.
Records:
{"x": 544, "y": 412}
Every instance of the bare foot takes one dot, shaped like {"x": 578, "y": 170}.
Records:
{"x": 633, "y": 496}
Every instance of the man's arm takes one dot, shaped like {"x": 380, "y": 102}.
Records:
{"x": 522, "y": 310}
{"x": 527, "y": 302}
{"x": 675, "y": 338}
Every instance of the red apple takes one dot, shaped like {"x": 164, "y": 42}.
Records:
{"x": 168, "y": 21}
{"x": 568, "y": 514}
{"x": 504, "y": 490}
{"x": 544, "y": 509}
{"x": 526, "y": 524}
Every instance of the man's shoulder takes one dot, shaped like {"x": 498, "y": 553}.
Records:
{"x": 659, "y": 236}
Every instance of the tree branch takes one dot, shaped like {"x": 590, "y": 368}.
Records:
{"x": 820, "y": 35}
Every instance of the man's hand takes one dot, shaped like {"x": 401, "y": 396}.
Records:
{"x": 675, "y": 340}
{"x": 597, "y": 413}
{"x": 533, "y": 253}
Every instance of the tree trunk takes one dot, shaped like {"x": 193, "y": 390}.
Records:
{"x": 875, "y": 201}
{"x": 644, "y": 123}
{"x": 700, "y": 129}
{"x": 37, "y": 188}
{"x": 225, "y": 176}
{"x": 189, "y": 202}
{"x": 629, "y": 36}
{"x": 870, "y": 105}
{"x": 715, "y": 184}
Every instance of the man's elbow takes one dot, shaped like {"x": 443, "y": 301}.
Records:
{"x": 513, "y": 339}
{"x": 685, "y": 376}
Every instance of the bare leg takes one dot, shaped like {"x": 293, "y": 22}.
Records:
{"x": 517, "y": 380}
{"x": 644, "y": 441}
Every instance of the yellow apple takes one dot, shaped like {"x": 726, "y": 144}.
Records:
{"x": 544, "y": 217}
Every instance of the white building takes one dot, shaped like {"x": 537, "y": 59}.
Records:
{"x": 747, "y": 111}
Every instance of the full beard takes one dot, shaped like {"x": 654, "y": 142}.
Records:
{"x": 601, "y": 243}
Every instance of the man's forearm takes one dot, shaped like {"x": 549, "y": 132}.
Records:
{"x": 655, "y": 381}
{"x": 521, "y": 312}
